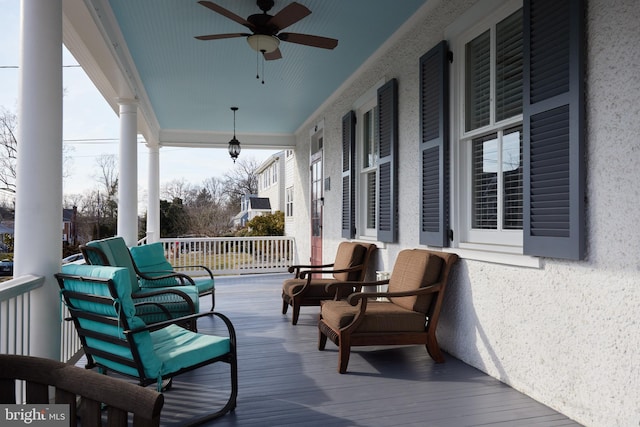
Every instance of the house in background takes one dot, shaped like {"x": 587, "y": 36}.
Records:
{"x": 251, "y": 207}
{"x": 69, "y": 228}
{"x": 271, "y": 181}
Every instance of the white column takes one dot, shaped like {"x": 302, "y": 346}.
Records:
{"x": 153, "y": 202}
{"x": 128, "y": 173}
{"x": 38, "y": 224}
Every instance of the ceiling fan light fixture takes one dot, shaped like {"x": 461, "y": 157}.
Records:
{"x": 263, "y": 43}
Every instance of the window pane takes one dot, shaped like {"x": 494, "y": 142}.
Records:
{"x": 512, "y": 176}
{"x": 371, "y": 200}
{"x": 509, "y": 67}
{"x": 485, "y": 182}
{"x": 370, "y": 142}
{"x": 477, "y": 81}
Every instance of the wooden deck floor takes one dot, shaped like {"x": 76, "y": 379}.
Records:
{"x": 285, "y": 381}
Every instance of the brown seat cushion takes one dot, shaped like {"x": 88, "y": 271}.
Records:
{"x": 380, "y": 317}
{"x": 414, "y": 269}
{"x": 349, "y": 254}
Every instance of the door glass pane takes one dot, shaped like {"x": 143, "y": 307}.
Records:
{"x": 512, "y": 178}
{"x": 485, "y": 182}
{"x": 478, "y": 81}
{"x": 509, "y": 66}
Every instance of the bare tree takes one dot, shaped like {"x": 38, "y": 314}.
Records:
{"x": 179, "y": 189}
{"x": 8, "y": 150}
{"x": 241, "y": 180}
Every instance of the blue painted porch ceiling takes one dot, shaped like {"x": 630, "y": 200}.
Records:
{"x": 192, "y": 84}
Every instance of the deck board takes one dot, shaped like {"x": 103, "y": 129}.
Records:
{"x": 285, "y": 381}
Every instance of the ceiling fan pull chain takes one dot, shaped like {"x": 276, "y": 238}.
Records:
{"x": 262, "y": 66}
{"x": 257, "y": 64}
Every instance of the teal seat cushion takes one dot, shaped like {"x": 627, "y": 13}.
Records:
{"x": 204, "y": 284}
{"x": 177, "y": 308}
{"x": 179, "y": 348}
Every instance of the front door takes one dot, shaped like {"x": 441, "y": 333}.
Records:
{"x": 317, "y": 204}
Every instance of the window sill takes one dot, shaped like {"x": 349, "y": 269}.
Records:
{"x": 506, "y": 255}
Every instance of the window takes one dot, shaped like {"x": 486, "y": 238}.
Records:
{"x": 369, "y": 165}
{"x": 508, "y": 153}
{"x": 490, "y": 140}
{"x": 367, "y": 142}
{"x": 289, "y": 201}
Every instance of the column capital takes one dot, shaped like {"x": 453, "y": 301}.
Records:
{"x": 127, "y": 101}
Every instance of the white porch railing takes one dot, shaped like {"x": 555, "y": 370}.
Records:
{"x": 232, "y": 255}
{"x": 15, "y": 323}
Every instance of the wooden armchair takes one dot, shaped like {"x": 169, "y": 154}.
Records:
{"x": 307, "y": 289}
{"x": 114, "y": 338}
{"x": 408, "y": 315}
{"x": 70, "y": 383}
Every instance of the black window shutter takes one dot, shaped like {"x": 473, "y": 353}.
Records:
{"x": 554, "y": 124}
{"x": 348, "y": 175}
{"x": 387, "y": 162}
{"x": 434, "y": 146}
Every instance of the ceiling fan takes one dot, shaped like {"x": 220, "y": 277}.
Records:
{"x": 266, "y": 29}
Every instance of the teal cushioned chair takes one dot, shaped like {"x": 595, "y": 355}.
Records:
{"x": 114, "y": 338}
{"x": 114, "y": 252}
{"x": 156, "y": 271}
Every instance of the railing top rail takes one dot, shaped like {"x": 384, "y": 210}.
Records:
{"x": 19, "y": 286}
{"x": 222, "y": 239}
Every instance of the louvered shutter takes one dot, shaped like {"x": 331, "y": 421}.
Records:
{"x": 434, "y": 146}
{"x": 348, "y": 175}
{"x": 554, "y": 123}
{"x": 387, "y": 162}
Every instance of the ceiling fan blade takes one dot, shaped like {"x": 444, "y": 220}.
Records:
{"x": 291, "y": 14}
{"x": 222, "y": 36}
{"x": 228, "y": 14}
{"x": 270, "y": 56}
{"x": 309, "y": 40}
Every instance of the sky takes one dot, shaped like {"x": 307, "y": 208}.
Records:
{"x": 91, "y": 127}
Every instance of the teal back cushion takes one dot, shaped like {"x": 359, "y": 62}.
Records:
{"x": 150, "y": 260}
{"x": 122, "y": 282}
{"x": 117, "y": 253}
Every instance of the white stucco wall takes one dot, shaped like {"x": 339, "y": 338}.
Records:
{"x": 567, "y": 333}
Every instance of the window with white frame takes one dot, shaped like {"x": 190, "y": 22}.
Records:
{"x": 488, "y": 130}
{"x": 367, "y": 161}
{"x": 289, "y": 201}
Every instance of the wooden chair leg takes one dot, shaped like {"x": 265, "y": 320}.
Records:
{"x": 322, "y": 340}
{"x": 434, "y": 349}
{"x": 344, "y": 346}
{"x": 285, "y": 306}
{"x": 295, "y": 314}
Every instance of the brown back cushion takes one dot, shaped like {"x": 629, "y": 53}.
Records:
{"x": 414, "y": 269}
{"x": 350, "y": 254}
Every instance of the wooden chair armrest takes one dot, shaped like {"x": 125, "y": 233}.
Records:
{"x": 354, "y": 298}
{"x": 305, "y": 273}
{"x": 296, "y": 268}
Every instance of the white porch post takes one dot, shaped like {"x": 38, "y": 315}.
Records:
{"x": 128, "y": 173}
{"x": 153, "y": 203}
{"x": 38, "y": 219}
